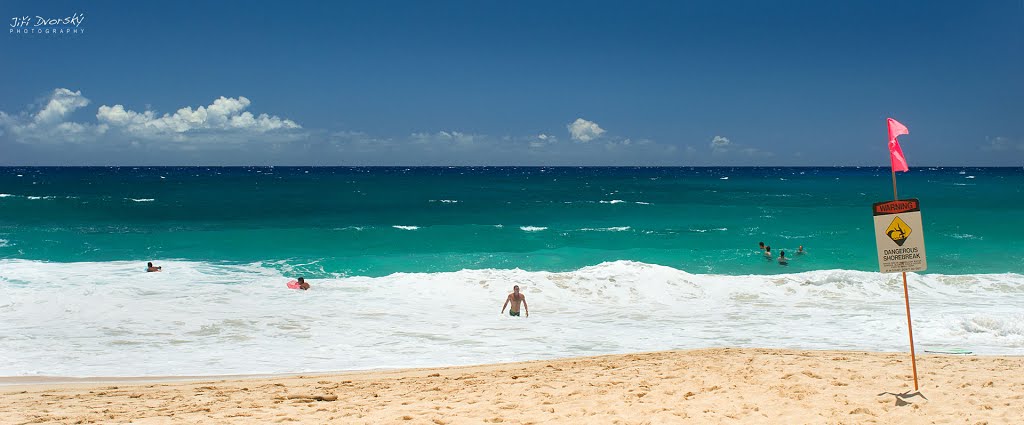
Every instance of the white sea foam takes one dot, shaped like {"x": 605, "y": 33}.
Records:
{"x": 642, "y": 203}
{"x": 532, "y": 228}
{"x": 613, "y": 201}
{"x": 5, "y": 195}
{"x": 606, "y": 229}
{"x": 724, "y": 178}
{"x": 4, "y": 243}
{"x": 445, "y": 201}
{"x": 717, "y": 229}
{"x": 142, "y": 199}
{"x": 112, "y": 319}
{"x": 406, "y": 227}
{"x": 969, "y": 177}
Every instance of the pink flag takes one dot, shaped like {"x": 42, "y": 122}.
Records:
{"x": 899, "y": 162}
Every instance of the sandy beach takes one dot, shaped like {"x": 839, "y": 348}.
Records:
{"x": 696, "y": 386}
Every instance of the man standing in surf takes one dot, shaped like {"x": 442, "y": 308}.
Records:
{"x": 515, "y": 298}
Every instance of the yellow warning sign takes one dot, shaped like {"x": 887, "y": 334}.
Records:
{"x": 898, "y": 231}
{"x": 899, "y": 222}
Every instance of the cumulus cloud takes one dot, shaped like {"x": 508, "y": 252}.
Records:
{"x": 224, "y": 120}
{"x": 64, "y": 128}
{"x": 49, "y": 122}
{"x": 446, "y": 138}
{"x": 584, "y": 131}
{"x": 541, "y": 140}
{"x": 225, "y": 114}
{"x": 62, "y": 103}
{"x": 721, "y": 145}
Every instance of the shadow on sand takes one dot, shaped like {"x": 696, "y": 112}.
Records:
{"x": 902, "y": 398}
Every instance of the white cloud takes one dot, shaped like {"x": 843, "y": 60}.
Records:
{"x": 224, "y": 120}
{"x": 117, "y": 115}
{"x": 62, "y": 103}
{"x": 542, "y": 140}
{"x": 584, "y": 131}
{"x": 721, "y": 145}
{"x": 48, "y": 123}
{"x": 224, "y": 114}
{"x": 445, "y": 137}
{"x": 113, "y": 133}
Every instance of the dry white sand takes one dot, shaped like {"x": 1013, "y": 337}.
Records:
{"x": 698, "y": 386}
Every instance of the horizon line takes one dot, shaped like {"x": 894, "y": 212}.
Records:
{"x": 503, "y": 166}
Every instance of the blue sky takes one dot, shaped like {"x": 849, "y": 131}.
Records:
{"x": 514, "y": 83}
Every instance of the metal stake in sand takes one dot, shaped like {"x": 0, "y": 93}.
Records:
{"x": 899, "y": 234}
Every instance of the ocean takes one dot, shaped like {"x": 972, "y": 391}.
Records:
{"x": 409, "y": 266}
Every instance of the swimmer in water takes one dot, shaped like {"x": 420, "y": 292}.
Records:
{"x": 768, "y": 252}
{"x": 761, "y": 245}
{"x": 800, "y": 250}
{"x": 150, "y": 268}
{"x": 515, "y": 298}
{"x": 782, "y": 258}
{"x": 303, "y": 285}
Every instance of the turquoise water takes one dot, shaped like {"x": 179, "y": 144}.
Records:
{"x": 336, "y": 222}
{"x": 409, "y": 266}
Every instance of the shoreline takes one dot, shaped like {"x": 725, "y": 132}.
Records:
{"x": 47, "y": 380}
{"x": 745, "y": 385}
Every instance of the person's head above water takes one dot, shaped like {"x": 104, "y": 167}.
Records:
{"x": 149, "y": 264}
{"x": 760, "y": 245}
{"x": 768, "y": 249}
{"x": 782, "y": 254}
{"x": 303, "y": 285}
